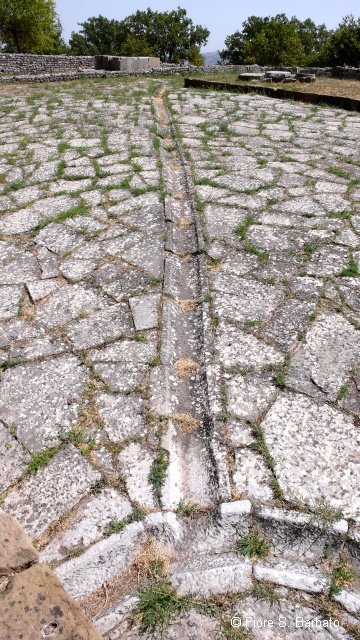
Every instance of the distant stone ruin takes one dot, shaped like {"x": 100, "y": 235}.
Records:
{"x": 125, "y": 63}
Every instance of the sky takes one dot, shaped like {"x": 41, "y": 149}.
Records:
{"x": 221, "y": 18}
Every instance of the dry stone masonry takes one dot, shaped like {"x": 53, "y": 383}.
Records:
{"x": 179, "y": 355}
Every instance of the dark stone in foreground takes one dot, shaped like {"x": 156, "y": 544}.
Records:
{"x": 35, "y": 605}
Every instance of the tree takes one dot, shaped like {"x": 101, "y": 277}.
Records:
{"x": 170, "y": 35}
{"x": 343, "y": 47}
{"x": 276, "y": 41}
{"x": 30, "y": 26}
{"x": 98, "y": 35}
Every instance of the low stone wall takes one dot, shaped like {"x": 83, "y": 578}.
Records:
{"x": 24, "y": 63}
{"x": 41, "y": 68}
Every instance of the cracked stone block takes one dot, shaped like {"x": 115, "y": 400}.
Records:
{"x": 145, "y": 311}
{"x": 68, "y": 304}
{"x": 148, "y": 255}
{"x": 287, "y": 324}
{"x": 88, "y": 524}
{"x": 122, "y": 415}
{"x": 14, "y": 459}
{"x": 135, "y": 464}
{"x": 100, "y": 563}
{"x": 221, "y": 221}
{"x": 18, "y": 330}
{"x": 206, "y": 575}
{"x": 35, "y": 605}
{"x": 39, "y": 289}
{"x": 122, "y": 365}
{"x": 101, "y": 327}
{"x": 306, "y": 288}
{"x": 41, "y": 401}
{"x": 251, "y": 477}
{"x": 53, "y": 491}
{"x": 10, "y": 297}
{"x": 293, "y": 575}
{"x": 16, "y": 551}
{"x": 249, "y": 396}
{"x": 314, "y": 449}
{"x": 48, "y": 263}
{"x": 323, "y": 362}
{"x": 328, "y": 261}
{"x": 238, "y": 349}
{"x": 58, "y": 238}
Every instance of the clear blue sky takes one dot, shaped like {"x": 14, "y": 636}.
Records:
{"x": 221, "y": 17}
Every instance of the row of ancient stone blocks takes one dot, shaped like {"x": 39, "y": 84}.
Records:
{"x": 124, "y": 63}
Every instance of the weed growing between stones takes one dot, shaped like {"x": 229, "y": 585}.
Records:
{"x": 254, "y": 250}
{"x": 342, "y": 575}
{"x": 253, "y": 545}
{"x": 352, "y": 271}
{"x": 158, "y": 470}
{"x": 39, "y": 460}
{"x": 186, "y": 510}
{"x": 339, "y": 172}
{"x": 342, "y": 391}
{"x": 158, "y": 605}
{"x": 242, "y": 229}
{"x": 264, "y": 591}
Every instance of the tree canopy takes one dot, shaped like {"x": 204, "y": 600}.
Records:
{"x": 169, "y": 35}
{"x": 276, "y": 41}
{"x": 30, "y": 26}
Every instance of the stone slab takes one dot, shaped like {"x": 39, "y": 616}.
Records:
{"x": 55, "y": 489}
{"x": 104, "y": 560}
{"x": 41, "y": 401}
{"x": 145, "y": 311}
{"x": 314, "y": 447}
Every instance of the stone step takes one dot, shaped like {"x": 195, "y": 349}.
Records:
{"x": 206, "y": 575}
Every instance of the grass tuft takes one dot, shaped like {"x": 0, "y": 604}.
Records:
{"x": 253, "y": 545}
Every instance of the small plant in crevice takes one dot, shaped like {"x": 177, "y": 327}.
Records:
{"x": 158, "y": 470}
{"x": 186, "y": 510}
{"x": 342, "y": 575}
{"x": 352, "y": 271}
{"x": 264, "y": 591}
{"x": 253, "y": 545}
{"x": 158, "y": 605}
{"x": 40, "y": 459}
{"x": 342, "y": 391}
{"x": 242, "y": 229}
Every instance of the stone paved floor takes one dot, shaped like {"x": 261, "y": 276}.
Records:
{"x": 179, "y": 307}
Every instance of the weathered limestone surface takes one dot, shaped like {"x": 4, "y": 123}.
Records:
{"x": 52, "y": 491}
{"x": 179, "y": 344}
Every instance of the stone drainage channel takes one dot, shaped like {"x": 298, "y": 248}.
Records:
{"x": 182, "y": 387}
{"x": 185, "y": 389}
